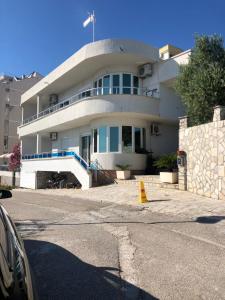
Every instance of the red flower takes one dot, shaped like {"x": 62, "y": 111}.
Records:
{"x": 14, "y": 161}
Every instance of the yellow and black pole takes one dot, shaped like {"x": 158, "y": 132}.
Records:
{"x": 142, "y": 194}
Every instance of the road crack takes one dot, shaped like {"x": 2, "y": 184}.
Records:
{"x": 126, "y": 252}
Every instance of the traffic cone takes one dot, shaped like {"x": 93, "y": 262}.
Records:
{"x": 142, "y": 195}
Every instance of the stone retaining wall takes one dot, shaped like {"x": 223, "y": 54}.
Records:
{"x": 204, "y": 145}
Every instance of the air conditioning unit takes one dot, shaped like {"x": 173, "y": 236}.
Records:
{"x": 145, "y": 70}
{"x": 53, "y": 136}
{"x": 154, "y": 129}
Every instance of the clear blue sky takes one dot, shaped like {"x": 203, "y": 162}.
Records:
{"x": 40, "y": 34}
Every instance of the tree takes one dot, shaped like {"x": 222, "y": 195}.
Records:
{"x": 201, "y": 83}
{"x": 14, "y": 161}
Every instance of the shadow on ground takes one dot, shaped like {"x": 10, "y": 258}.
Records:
{"x": 210, "y": 219}
{"x": 61, "y": 275}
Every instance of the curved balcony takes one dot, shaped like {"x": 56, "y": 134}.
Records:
{"x": 92, "y": 93}
{"x": 91, "y": 103}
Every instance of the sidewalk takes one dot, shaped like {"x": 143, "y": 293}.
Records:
{"x": 166, "y": 201}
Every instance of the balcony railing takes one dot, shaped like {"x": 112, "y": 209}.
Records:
{"x": 92, "y": 93}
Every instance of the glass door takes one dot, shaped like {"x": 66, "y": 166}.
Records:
{"x": 86, "y": 147}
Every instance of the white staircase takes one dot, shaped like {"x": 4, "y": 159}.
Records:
{"x": 71, "y": 163}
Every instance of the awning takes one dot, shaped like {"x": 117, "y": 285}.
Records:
{"x": 7, "y": 155}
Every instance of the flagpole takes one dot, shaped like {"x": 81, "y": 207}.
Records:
{"x": 93, "y": 22}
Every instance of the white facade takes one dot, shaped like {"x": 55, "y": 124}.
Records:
{"x": 11, "y": 89}
{"x": 97, "y": 108}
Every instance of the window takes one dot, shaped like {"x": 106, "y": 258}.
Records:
{"x": 100, "y": 86}
{"x": 137, "y": 136}
{"x": 127, "y": 138}
{"x": 144, "y": 138}
{"x": 106, "y": 84}
{"x": 135, "y": 85}
{"x": 126, "y": 83}
{"x": 102, "y": 139}
{"x": 6, "y": 126}
{"x": 95, "y": 88}
{"x": 6, "y": 140}
{"x": 95, "y": 135}
{"x": 116, "y": 84}
{"x": 114, "y": 139}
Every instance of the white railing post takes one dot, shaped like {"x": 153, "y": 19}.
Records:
{"x": 38, "y": 105}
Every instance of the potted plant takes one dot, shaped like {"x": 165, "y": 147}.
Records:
{"x": 168, "y": 168}
{"x": 124, "y": 172}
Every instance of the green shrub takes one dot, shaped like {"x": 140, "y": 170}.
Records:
{"x": 123, "y": 167}
{"x": 167, "y": 162}
{"x": 6, "y": 187}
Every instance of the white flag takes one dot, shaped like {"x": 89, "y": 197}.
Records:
{"x": 89, "y": 20}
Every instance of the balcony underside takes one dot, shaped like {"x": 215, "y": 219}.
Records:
{"x": 83, "y": 111}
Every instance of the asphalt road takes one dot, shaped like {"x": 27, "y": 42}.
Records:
{"x": 82, "y": 249}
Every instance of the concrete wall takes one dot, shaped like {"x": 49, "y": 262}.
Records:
{"x": 66, "y": 164}
{"x": 70, "y": 139}
{"x": 166, "y": 142}
{"x": 109, "y": 160}
{"x": 169, "y": 69}
{"x": 204, "y": 145}
{"x": 29, "y": 144}
{"x": 6, "y": 178}
{"x": 170, "y": 105}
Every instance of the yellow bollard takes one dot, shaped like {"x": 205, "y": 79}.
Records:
{"x": 142, "y": 195}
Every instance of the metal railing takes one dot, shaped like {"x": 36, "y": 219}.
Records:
{"x": 58, "y": 154}
{"x": 114, "y": 90}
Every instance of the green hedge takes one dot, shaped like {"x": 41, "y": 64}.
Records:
{"x": 6, "y": 187}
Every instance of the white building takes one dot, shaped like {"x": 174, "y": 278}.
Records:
{"x": 107, "y": 103}
{"x": 11, "y": 88}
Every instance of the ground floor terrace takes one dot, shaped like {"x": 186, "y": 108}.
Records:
{"x": 103, "y": 144}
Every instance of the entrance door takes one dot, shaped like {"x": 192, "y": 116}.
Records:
{"x": 86, "y": 148}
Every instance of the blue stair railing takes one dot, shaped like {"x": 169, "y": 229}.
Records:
{"x": 82, "y": 162}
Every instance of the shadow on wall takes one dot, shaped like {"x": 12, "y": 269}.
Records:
{"x": 61, "y": 275}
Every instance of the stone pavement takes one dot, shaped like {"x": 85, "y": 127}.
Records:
{"x": 165, "y": 201}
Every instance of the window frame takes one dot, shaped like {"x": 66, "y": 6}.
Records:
{"x": 120, "y": 139}
{"x": 118, "y": 144}
{"x": 100, "y": 88}
{"x": 106, "y": 139}
{"x": 132, "y": 140}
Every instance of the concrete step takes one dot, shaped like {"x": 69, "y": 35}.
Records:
{"x": 149, "y": 184}
{"x": 149, "y": 178}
